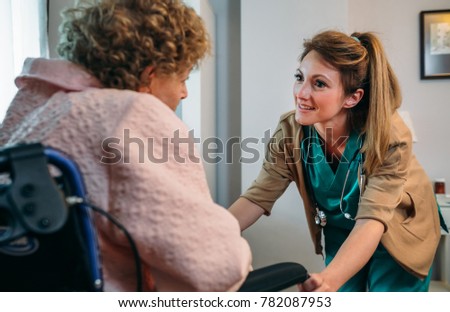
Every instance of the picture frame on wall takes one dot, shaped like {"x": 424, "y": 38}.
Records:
{"x": 435, "y": 44}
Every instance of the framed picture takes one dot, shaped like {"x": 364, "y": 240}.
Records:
{"x": 435, "y": 44}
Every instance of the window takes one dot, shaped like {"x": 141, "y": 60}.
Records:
{"x": 24, "y": 25}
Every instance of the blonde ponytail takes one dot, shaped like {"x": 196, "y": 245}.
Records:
{"x": 384, "y": 99}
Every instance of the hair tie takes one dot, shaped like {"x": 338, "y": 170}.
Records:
{"x": 356, "y": 39}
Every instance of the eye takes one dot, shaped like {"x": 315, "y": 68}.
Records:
{"x": 320, "y": 84}
{"x": 298, "y": 76}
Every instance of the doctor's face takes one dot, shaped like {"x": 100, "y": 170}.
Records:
{"x": 318, "y": 93}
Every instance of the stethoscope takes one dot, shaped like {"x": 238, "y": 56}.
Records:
{"x": 320, "y": 218}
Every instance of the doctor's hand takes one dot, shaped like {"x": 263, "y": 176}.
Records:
{"x": 316, "y": 282}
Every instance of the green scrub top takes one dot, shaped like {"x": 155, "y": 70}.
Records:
{"x": 382, "y": 272}
{"x": 328, "y": 186}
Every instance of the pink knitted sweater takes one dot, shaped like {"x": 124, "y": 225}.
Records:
{"x": 127, "y": 145}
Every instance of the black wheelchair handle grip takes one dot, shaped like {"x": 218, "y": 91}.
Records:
{"x": 275, "y": 277}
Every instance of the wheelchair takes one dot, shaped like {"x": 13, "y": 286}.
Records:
{"x": 48, "y": 239}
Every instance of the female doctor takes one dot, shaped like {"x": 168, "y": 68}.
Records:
{"x": 350, "y": 155}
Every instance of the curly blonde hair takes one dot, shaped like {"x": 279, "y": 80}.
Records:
{"x": 116, "y": 40}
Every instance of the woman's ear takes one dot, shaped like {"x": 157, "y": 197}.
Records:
{"x": 353, "y": 99}
{"x": 146, "y": 79}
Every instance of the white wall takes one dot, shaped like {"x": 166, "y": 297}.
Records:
{"x": 198, "y": 110}
{"x": 228, "y": 96}
{"x": 272, "y": 37}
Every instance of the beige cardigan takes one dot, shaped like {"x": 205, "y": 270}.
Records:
{"x": 186, "y": 241}
{"x": 399, "y": 194}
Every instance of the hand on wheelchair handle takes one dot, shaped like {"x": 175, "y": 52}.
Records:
{"x": 314, "y": 283}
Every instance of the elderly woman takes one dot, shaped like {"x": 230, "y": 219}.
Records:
{"x": 109, "y": 104}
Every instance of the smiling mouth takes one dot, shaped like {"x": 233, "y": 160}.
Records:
{"x": 304, "y": 107}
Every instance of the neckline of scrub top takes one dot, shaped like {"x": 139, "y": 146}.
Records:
{"x": 315, "y": 155}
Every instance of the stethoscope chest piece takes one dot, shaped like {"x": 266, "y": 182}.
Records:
{"x": 320, "y": 218}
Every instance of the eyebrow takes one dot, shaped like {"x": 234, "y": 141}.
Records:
{"x": 298, "y": 70}
{"x": 322, "y": 76}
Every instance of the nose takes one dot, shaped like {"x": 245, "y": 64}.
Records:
{"x": 184, "y": 93}
{"x": 301, "y": 90}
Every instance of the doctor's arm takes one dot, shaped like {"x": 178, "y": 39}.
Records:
{"x": 246, "y": 212}
{"x": 351, "y": 257}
